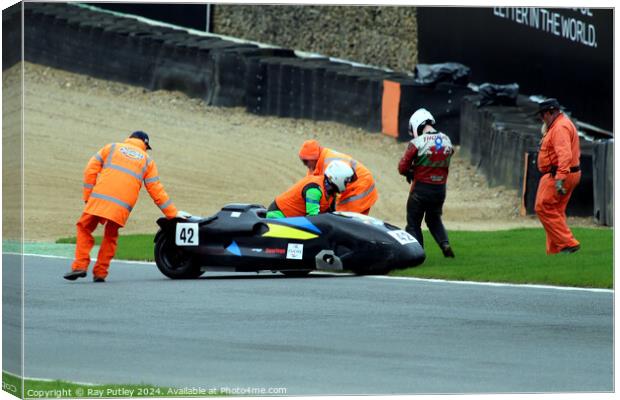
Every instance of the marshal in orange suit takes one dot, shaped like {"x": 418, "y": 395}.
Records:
{"x": 360, "y": 195}
{"x": 558, "y": 161}
{"x": 112, "y": 181}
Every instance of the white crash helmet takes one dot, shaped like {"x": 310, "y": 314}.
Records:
{"x": 420, "y": 117}
{"x": 339, "y": 174}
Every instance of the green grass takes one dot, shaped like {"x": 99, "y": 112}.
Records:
{"x": 518, "y": 256}
{"x": 11, "y": 384}
{"x": 513, "y": 256}
{"x": 130, "y": 247}
{"x": 35, "y": 388}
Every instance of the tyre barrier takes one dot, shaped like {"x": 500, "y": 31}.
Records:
{"x": 603, "y": 181}
{"x": 581, "y": 203}
{"x": 228, "y": 65}
{"x": 502, "y": 142}
{"x": 403, "y": 95}
{"x": 11, "y": 36}
{"x": 277, "y": 82}
{"x": 223, "y": 72}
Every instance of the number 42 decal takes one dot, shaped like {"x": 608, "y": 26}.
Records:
{"x": 186, "y": 234}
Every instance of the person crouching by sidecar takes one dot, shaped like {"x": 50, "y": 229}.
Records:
{"x": 360, "y": 195}
{"x": 313, "y": 194}
{"x": 425, "y": 164}
{"x": 112, "y": 181}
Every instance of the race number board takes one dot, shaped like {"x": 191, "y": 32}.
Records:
{"x": 402, "y": 237}
{"x": 186, "y": 234}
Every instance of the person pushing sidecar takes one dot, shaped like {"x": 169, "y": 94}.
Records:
{"x": 313, "y": 194}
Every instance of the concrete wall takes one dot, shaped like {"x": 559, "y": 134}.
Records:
{"x": 383, "y": 36}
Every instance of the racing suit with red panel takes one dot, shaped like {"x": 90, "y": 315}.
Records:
{"x": 426, "y": 162}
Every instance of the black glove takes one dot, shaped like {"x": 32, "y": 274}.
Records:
{"x": 409, "y": 176}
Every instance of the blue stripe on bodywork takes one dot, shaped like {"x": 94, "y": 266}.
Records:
{"x": 234, "y": 248}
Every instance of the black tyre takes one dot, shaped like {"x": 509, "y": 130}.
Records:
{"x": 296, "y": 273}
{"x": 173, "y": 261}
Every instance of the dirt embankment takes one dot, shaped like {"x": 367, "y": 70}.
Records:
{"x": 207, "y": 156}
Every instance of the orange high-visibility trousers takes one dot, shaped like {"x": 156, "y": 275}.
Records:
{"x": 551, "y": 210}
{"x": 85, "y": 242}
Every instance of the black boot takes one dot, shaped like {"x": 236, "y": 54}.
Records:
{"x": 447, "y": 250}
{"x": 73, "y": 275}
{"x": 571, "y": 249}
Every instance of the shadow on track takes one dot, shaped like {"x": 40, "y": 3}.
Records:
{"x": 276, "y": 276}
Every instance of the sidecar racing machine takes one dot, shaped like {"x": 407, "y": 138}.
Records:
{"x": 240, "y": 238}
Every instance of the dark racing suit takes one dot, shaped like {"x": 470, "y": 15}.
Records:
{"x": 426, "y": 162}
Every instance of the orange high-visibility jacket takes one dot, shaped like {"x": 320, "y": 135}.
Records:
{"x": 292, "y": 203}
{"x": 559, "y": 148}
{"x": 113, "y": 178}
{"x": 361, "y": 194}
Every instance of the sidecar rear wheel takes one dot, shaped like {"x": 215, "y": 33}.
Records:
{"x": 173, "y": 261}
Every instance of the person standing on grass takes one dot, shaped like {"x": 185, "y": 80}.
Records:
{"x": 558, "y": 161}
{"x": 425, "y": 164}
{"x": 112, "y": 181}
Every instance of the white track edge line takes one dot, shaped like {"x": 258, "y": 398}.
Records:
{"x": 402, "y": 278}
{"x": 497, "y": 284}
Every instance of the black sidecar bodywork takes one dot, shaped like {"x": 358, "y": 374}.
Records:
{"x": 240, "y": 238}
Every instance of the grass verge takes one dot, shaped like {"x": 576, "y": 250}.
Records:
{"x": 511, "y": 256}
{"x": 130, "y": 247}
{"x": 518, "y": 256}
{"x": 37, "y": 389}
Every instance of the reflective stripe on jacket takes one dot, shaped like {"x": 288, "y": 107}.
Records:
{"x": 359, "y": 195}
{"x": 113, "y": 178}
{"x": 293, "y": 202}
{"x": 559, "y": 147}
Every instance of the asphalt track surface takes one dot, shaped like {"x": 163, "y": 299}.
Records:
{"x": 317, "y": 335}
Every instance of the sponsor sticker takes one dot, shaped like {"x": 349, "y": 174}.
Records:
{"x": 402, "y": 237}
{"x": 271, "y": 250}
{"x": 131, "y": 153}
{"x": 295, "y": 251}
